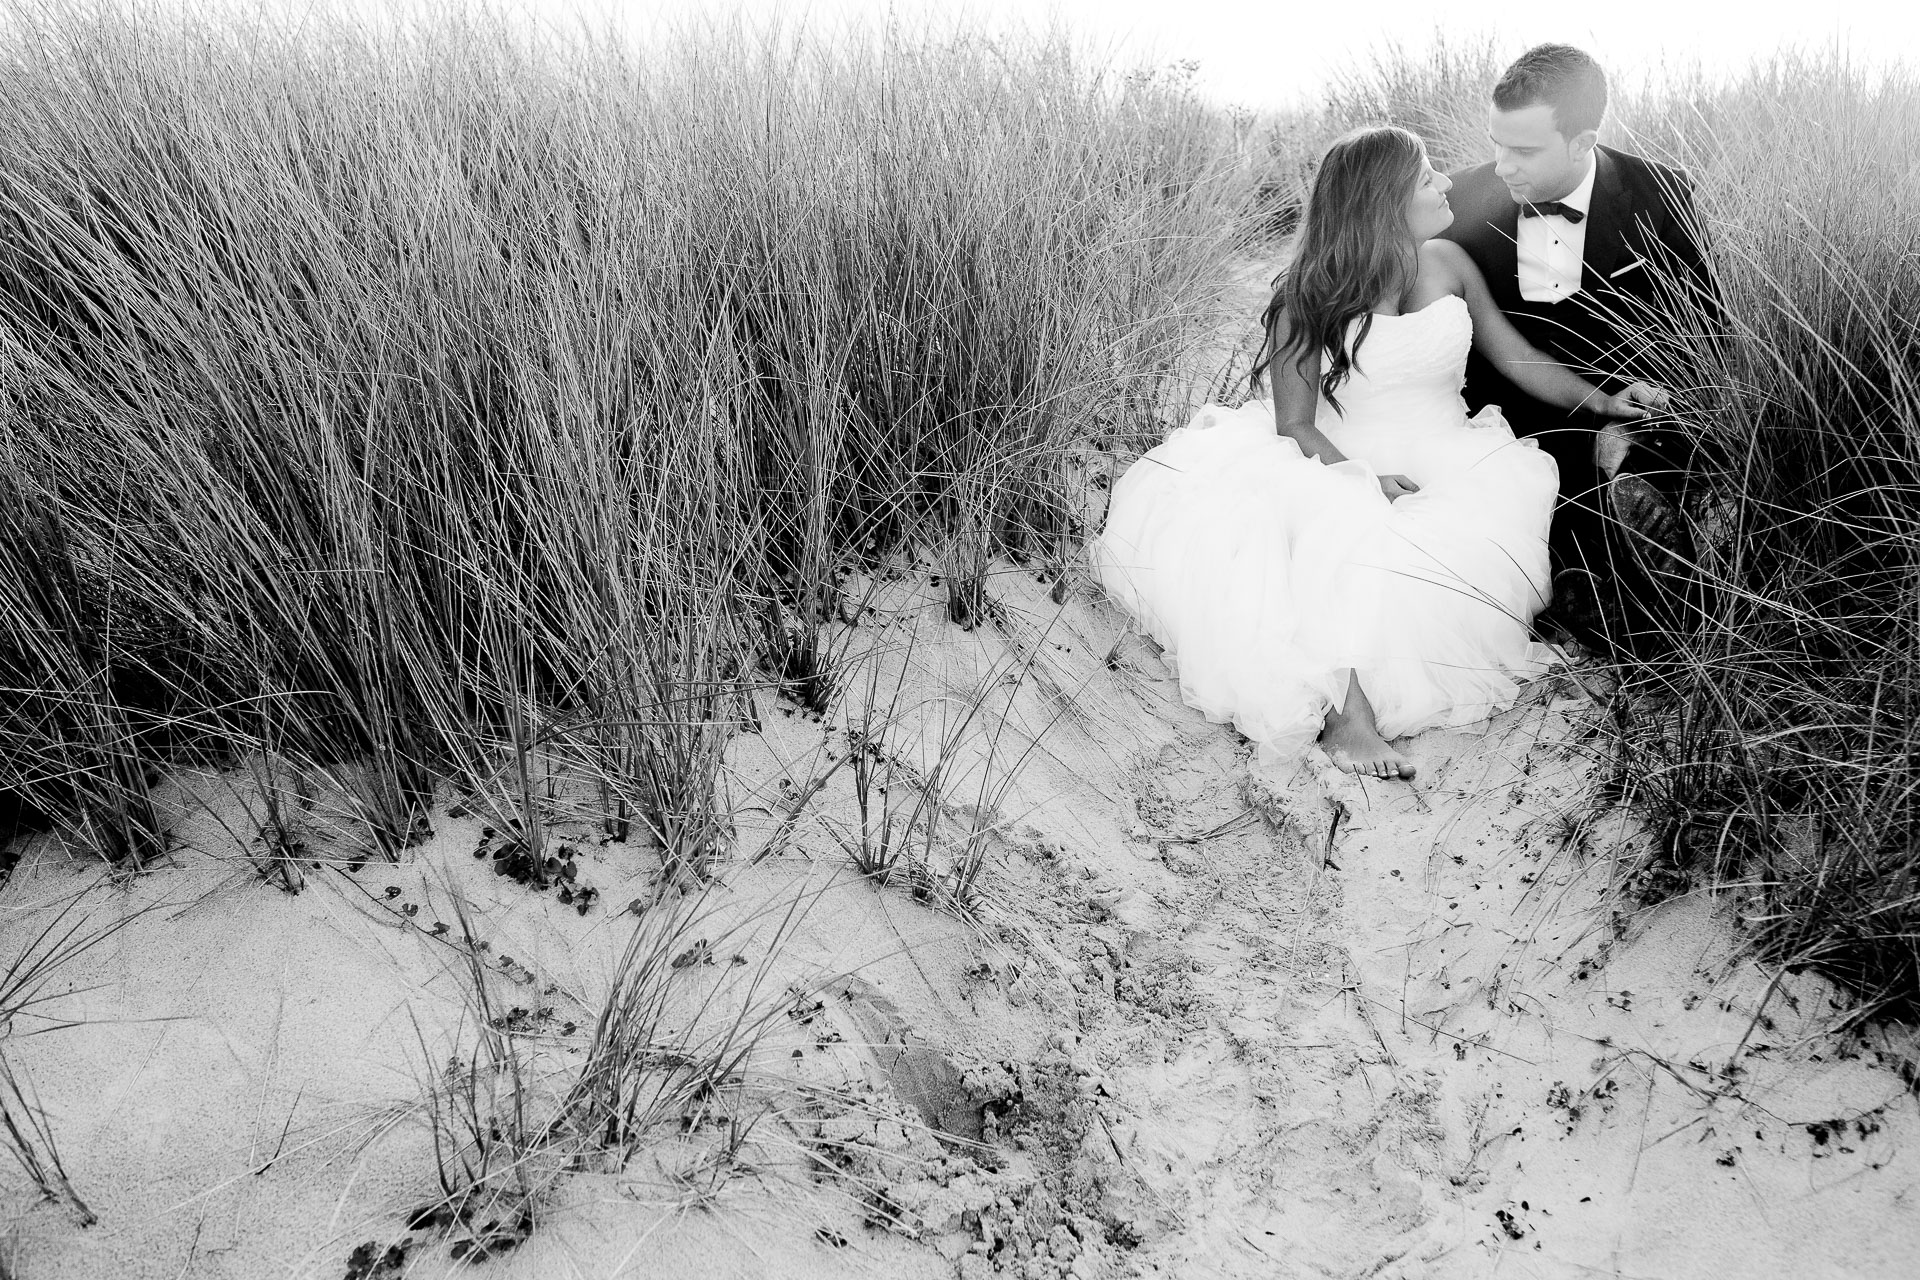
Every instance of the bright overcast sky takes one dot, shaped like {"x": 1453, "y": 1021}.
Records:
{"x": 1270, "y": 52}
{"x": 1279, "y": 52}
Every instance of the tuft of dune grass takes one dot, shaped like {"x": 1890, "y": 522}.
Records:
{"x": 1772, "y": 737}
{"x": 419, "y": 396}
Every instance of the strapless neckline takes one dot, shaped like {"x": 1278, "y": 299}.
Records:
{"x": 1408, "y": 315}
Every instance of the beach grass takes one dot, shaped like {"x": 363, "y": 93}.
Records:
{"x": 449, "y": 415}
{"x": 435, "y": 396}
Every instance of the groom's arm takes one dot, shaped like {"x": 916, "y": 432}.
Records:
{"x": 1532, "y": 370}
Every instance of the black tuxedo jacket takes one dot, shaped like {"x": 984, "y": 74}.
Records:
{"x": 1643, "y": 242}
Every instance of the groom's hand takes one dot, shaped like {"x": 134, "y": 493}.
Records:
{"x": 1397, "y": 487}
{"x": 1611, "y": 444}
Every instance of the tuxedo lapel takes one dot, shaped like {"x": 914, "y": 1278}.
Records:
{"x": 1605, "y": 224}
{"x": 1502, "y": 238}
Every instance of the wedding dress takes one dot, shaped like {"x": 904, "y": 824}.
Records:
{"x": 1267, "y": 575}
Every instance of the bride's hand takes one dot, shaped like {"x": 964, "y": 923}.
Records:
{"x": 1635, "y": 401}
{"x": 1397, "y": 487}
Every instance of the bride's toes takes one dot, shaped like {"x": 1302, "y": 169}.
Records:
{"x": 1384, "y": 763}
{"x": 1396, "y": 766}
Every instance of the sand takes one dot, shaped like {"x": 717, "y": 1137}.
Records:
{"x": 1178, "y": 1031}
{"x": 1194, "y": 1016}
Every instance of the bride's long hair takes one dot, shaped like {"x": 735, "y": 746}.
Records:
{"x": 1353, "y": 249}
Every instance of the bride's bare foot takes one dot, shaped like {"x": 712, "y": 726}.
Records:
{"x": 1366, "y": 754}
{"x": 1353, "y": 740}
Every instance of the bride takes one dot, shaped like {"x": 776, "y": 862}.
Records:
{"x": 1357, "y": 560}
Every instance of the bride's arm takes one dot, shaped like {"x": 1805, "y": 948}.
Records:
{"x": 1531, "y": 369}
{"x": 1296, "y": 395}
{"x": 1296, "y": 404}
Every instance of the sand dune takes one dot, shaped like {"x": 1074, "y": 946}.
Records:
{"x": 1191, "y": 1025}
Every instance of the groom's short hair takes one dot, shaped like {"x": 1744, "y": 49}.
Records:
{"x": 1565, "y": 78}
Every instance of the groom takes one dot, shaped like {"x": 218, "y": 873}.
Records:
{"x": 1580, "y": 244}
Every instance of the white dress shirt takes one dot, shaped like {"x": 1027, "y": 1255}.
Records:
{"x": 1550, "y": 248}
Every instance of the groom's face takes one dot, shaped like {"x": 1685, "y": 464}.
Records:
{"x": 1533, "y": 158}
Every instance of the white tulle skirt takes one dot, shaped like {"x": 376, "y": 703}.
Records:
{"x": 1268, "y": 576}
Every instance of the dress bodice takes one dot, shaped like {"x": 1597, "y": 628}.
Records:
{"x": 1409, "y": 370}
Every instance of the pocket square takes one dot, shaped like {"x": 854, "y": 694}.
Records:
{"x": 1631, "y": 266}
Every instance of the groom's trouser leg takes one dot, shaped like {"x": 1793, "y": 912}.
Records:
{"x": 1660, "y": 577}
{"x": 1577, "y": 538}
{"x": 1641, "y": 594}
{"x": 1586, "y": 537}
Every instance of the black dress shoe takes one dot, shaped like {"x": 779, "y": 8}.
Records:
{"x": 1654, "y": 531}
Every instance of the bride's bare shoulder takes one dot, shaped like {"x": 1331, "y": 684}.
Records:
{"x": 1446, "y": 268}
{"x": 1445, "y": 258}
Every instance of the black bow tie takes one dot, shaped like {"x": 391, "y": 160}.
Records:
{"x": 1548, "y": 207}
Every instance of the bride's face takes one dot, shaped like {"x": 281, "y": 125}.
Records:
{"x": 1428, "y": 213}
